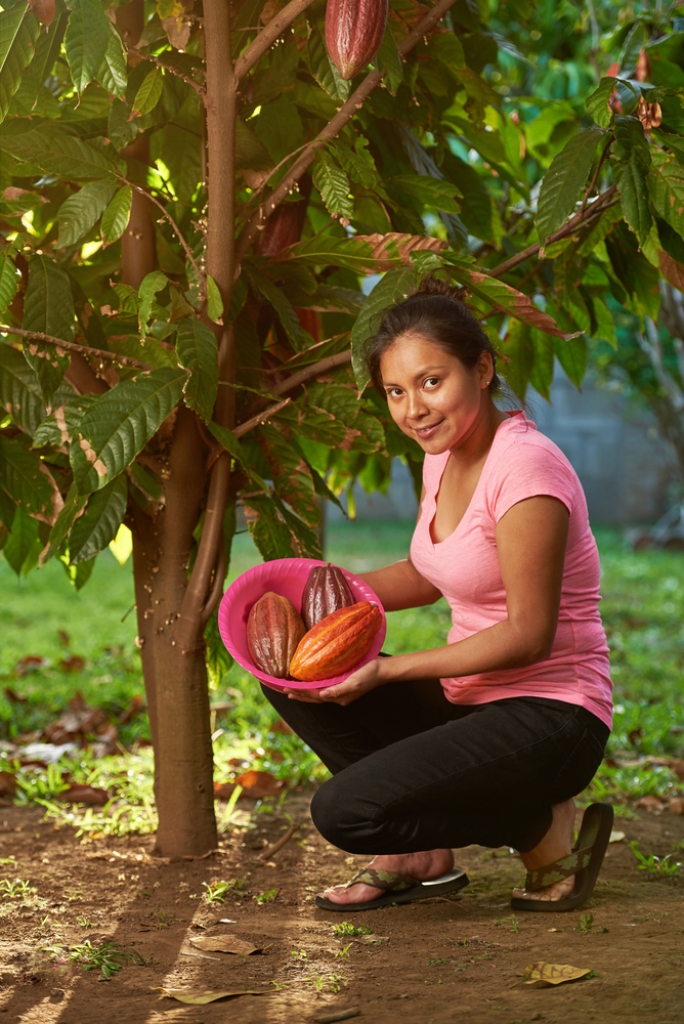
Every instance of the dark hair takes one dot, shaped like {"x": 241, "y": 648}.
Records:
{"x": 436, "y": 312}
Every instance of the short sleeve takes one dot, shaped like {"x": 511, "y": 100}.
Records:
{"x": 529, "y": 469}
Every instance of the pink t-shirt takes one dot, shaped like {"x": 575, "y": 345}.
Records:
{"x": 521, "y": 463}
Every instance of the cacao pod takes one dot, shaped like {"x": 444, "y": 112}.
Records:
{"x": 274, "y": 629}
{"x": 336, "y": 643}
{"x": 326, "y": 590}
{"x": 354, "y": 30}
{"x": 282, "y": 228}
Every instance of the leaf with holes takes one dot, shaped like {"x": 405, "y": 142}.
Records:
{"x": 82, "y": 210}
{"x": 86, "y": 40}
{"x": 19, "y": 29}
{"x": 198, "y": 352}
{"x": 118, "y": 425}
{"x": 394, "y": 286}
{"x": 633, "y": 151}
{"x": 115, "y": 217}
{"x": 98, "y": 525}
{"x": 563, "y": 182}
{"x": 333, "y": 184}
{"x": 54, "y": 149}
{"x": 48, "y": 309}
{"x": 22, "y": 476}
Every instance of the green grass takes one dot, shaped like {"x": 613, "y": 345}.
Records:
{"x": 643, "y": 594}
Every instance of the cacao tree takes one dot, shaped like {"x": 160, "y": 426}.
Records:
{"x": 202, "y": 219}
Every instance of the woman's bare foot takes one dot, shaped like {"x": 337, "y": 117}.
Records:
{"x": 424, "y": 867}
{"x": 556, "y": 843}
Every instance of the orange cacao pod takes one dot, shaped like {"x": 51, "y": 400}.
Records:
{"x": 336, "y": 643}
{"x": 353, "y": 33}
{"x": 274, "y": 629}
{"x": 326, "y": 590}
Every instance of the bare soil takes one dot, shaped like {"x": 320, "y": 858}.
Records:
{"x": 444, "y": 960}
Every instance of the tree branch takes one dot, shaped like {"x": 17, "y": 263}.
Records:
{"x": 268, "y": 35}
{"x": 344, "y": 114}
{"x": 199, "y": 89}
{"x": 260, "y": 418}
{"x": 71, "y": 346}
{"x": 594, "y": 179}
{"x": 188, "y": 251}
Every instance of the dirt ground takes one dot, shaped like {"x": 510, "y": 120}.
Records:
{"x": 444, "y": 960}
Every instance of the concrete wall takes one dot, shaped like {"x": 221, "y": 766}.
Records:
{"x": 625, "y": 467}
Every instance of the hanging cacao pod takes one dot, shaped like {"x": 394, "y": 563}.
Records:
{"x": 336, "y": 643}
{"x": 281, "y": 229}
{"x": 274, "y": 629}
{"x": 326, "y": 590}
{"x": 353, "y": 33}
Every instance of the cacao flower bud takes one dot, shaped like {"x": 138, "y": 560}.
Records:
{"x": 354, "y": 30}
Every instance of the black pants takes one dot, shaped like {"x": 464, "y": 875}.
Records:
{"x": 412, "y": 772}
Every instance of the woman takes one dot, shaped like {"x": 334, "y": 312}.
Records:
{"x": 485, "y": 740}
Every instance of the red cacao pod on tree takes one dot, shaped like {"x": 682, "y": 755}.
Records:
{"x": 310, "y": 321}
{"x": 281, "y": 229}
{"x": 353, "y": 33}
{"x": 274, "y": 629}
{"x": 336, "y": 643}
{"x": 325, "y": 591}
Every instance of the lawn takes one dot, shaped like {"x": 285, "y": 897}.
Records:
{"x": 56, "y": 641}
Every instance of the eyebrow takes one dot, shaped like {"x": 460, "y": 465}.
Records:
{"x": 421, "y": 373}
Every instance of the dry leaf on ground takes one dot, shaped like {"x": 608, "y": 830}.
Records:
{"x": 84, "y": 795}
{"x": 225, "y": 944}
{"x": 541, "y": 974}
{"x": 199, "y": 997}
{"x": 255, "y": 786}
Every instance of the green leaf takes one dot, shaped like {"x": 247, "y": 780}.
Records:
{"x": 150, "y": 285}
{"x": 333, "y": 184}
{"x": 86, "y": 41}
{"x": 509, "y": 299}
{"x": 572, "y": 355}
{"x": 74, "y": 504}
{"x": 48, "y": 309}
{"x": 81, "y": 211}
{"x": 214, "y": 300}
{"x": 633, "y": 45}
{"x": 597, "y": 103}
{"x": 666, "y": 187}
{"x": 312, "y": 423}
{"x": 284, "y": 310}
{"x": 564, "y": 180}
{"x": 393, "y": 287}
{"x": 113, "y": 72}
{"x": 115, "y": 217}
{"x": 118, "y": 425}
{"x": 231, "y": 444}
{"x": 9, "y": 281}
{"x": 447, "y": 47}
{"x": 389, "y": 61}
{"x": 20, "y": 394}
{"x": 98, "y": 525}
{"x": 429, "y": 191}
{"x": 149, "y": 93}
{"x": 323, "y": 69}
{"x": 22, "y": 476}
{"x": 249, "y": 150}
{"x": 541, "y": 376}
{"x": 290, "y": 474}
{"x": 633, "y": 150}
{"x": 322, "y": 250}
{"x": 54, "y": 149}
{"x": 268, "y": 529}
{"x": 519, "y": 349}
{"x": 605, "y": 323}
{"x": 19, "y": 30}
{"x": 279, "y": 127}
{"x": 23, "y": 545}
{"x": 48, "y": 47}
{"x": 198, "y": 352}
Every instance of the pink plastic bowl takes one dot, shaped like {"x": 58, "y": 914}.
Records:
{"x": 284, "y": 576}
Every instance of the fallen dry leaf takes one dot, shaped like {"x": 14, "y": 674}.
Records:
{"x": 30, "y": 663}
{"x": 651, "y": 803}
{"x": 255, "y": 786}
{"x": 225, "y": 944}
{"x": 84, "y": 795}
{"x": 8, "y": 784}
{"x": 199, "y": 997}
{"x": 676, "y": 805}
{"x": 678, "y": 768}
{"x": 13, "y": 697}
{"x": 542, "y": 974}
{"x": 74, "y": 663}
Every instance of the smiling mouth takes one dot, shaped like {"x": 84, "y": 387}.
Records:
{"x": 422, "y": 431}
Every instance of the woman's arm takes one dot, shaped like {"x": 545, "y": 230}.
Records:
{"x": 401, "y": 586}
{"x": 531, "y": 539}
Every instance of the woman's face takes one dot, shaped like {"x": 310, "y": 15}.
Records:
{"x": 431, "y": 395}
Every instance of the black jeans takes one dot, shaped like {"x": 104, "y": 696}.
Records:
{"x": 412, "y": 772}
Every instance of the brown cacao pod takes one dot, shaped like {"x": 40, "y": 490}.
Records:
{"x": 336, "y": 643}
{"x": 274, "y": 629}
{"x": 282, "y": 228}
{"x": 326, "y": 590}
{"x": 353, "y": 33}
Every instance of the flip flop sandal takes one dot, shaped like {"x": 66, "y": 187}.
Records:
{"x": 584, "y": 863}
{"x": 397, "y": 888}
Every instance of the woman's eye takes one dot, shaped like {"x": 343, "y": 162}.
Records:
{"x": 431, "y": 382}
{"x": 393, "y": 392}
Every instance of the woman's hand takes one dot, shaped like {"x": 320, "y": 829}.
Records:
{"x": 354, "y": 686}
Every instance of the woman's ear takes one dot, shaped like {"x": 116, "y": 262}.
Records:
{"x": 485, "y": 369}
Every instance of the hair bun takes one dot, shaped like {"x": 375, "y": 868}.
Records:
{"x": 433, "y": 286}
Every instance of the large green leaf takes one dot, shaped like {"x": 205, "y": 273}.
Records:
{"x": 519, "y": 349}
{"x": 429, "y": 191}
{"x": 81, "y": 211}
{"x": 198, "y": 352}
{"x": 393, "y": 287}
{"x": 22, "y": 547}
{"x": 563, "y": 182}
{"x": 113, "y": 73}
{"x": 249, "y": 149}
{"x": 48, "y": 309}
{"x": 633, "y": 151}
{"x": 597, "y": 103}
{"x": 290, "y": 474}
{"x": 73, "y": 507}
{"x": 363, "y": 431}
{"x": 19, "y": 30}
{"x": 20, "y": 394}
{"x": 284, "y": 309}
{"x": 86, "y": 40}
{"x": 98, "y": 525}
{"x": 149, "y": 93}
{"x": 513, "y": 302}
{"x": 118, "y": 425}
{"x": 541, "y": 376}
{"x": 56, "y": 150}
{"x": 666, "y": 186}
{"x": 115, "y": 217}
{"x": 8, "y": 281}
{"x": 322, "y": 68}
{"x": 22, "y": 476}
{"x": 572, "y": 355}
{"x": 333, "y": 184}
{"x": 268, "y": 529}
{"x": 280, "y": 127}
